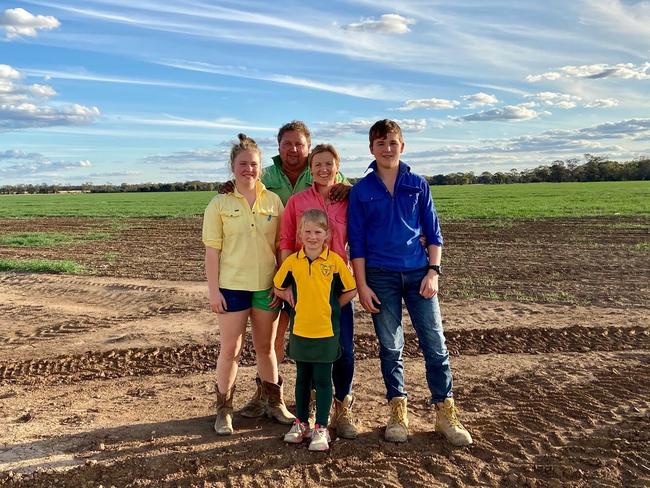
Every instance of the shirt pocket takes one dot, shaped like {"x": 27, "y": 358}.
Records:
{"x": 408, "y": 199}
{"x": 376, "y": 207}
{"x": 268, "y": 221}
{"x": 232, "y": 220}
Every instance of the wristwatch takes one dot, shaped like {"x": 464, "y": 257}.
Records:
{"x": 436, "y": 268}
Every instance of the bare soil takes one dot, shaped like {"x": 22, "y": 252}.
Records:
{"x": 107, "y": 378}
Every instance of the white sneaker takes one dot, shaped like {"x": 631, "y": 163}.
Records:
{"x": 320, "y": 439}
{"x": 298, "y": 433}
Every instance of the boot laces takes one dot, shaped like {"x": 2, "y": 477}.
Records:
{"x": 398, "y": 413}
{"x": 451, "y": 412}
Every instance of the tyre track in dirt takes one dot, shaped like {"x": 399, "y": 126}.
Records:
{"x": 46, "y": 307}
{"x": 200, "y": 357}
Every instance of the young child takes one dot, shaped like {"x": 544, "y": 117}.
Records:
{"x": 316, "y": 282}
{"x": 390, "y": 208}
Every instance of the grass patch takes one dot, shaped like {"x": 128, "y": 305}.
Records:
{"x": 48, "y": 239}
{"x": 504, "y": 202}
{"x": 641, "y": 247}
{"x": 111, "y": 257}
{"x": 41, "y": 266}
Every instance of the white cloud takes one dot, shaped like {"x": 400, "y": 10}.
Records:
{"x": 565, "y": 101}
{"x": 41, "y": 167}
{"x": 480, "y": 99}
{"x": 203, "y": 156}
{"x": 559, "y": 100}
{"x": 596, "y": 71}
{"x": 428, "y": 103}
{"x": 387, "y": 24}
{"x": 602, "y": 103}
{"x": 18, "y": 154}
{"x": 509, "y": 112}
{"x": 23, "y": 106}
{"x": 19, "y": 22}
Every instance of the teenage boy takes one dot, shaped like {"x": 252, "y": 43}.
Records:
{"x": 390, "y": 208}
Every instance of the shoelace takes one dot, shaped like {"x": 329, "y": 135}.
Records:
{"x": 450, "y": 412}
{"x": 398, "y": 413}
{"x": 319, "y": 434}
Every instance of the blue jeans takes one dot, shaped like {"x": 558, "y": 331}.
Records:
{"x": 343, "y": 369}
{"x": 391, "y": 287}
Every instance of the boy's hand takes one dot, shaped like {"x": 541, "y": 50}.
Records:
{"x": 340, "y": 192}
{"x": 429, "y": 285}
{"x": 368, "y": 299}
{"x": 218, "y": 302}
{"x": 227, "y": 187}
{"x": 286, "y": 295}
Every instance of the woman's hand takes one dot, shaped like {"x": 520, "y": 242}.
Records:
{"x": 286, "y": 295}
{"x": 218, "y": 302}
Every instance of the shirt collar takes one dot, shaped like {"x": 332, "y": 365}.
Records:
{"x": 259, "y": 189}
{"x": 324, "y": 255}
{"x": 403, "y": 167}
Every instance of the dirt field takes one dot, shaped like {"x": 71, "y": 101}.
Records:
{"x": 107, "y": 378}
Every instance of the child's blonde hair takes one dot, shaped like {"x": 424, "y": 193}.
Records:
{"x": 315, "y": 216}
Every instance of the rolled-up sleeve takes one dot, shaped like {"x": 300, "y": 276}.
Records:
{"x": 356, "y": 225}
{"x": 212, "y": 226}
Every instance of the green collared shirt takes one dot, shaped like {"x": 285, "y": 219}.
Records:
{"x": 276, "y": 181}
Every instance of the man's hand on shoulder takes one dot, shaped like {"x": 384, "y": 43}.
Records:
{"x": 340, "y": 192}
{"x": 227, "y": 187}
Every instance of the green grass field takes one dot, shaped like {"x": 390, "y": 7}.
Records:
{"x": 41, "y": 266}
{"x": 532, "y": 200}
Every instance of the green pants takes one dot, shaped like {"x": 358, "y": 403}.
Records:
{"x": 318, "y": 375}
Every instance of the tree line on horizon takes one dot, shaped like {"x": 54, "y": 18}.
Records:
{"x": 596, "y": 168}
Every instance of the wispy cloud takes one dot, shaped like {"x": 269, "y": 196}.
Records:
{"x": 596, "y": 71}
{"x": 480, "y": 99}
{"x": 508, "y": 113}
{"x": 387, "y": 23}
{"x": 428, "y": 103}
{"x": 19, "y": 22}
{"x": 362, "y": 126}
{"x": 82, "y": 75}
{"x": 372, "y": 91}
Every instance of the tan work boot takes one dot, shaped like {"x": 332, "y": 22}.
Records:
{"x": 256, "y": 406}
{"x": 397, "y": 429}
{"x": 275, "y": 407}
{"x": 447, "y": 423}
{"x": 223, "y": 423}
{"x": 342, "y": 419}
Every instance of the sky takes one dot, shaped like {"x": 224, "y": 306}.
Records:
{"x": 116, "y": 91}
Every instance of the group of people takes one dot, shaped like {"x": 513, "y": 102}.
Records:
{"x": 281, "y": 246}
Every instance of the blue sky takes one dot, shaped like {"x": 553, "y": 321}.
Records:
{"x": 137, "y": 91}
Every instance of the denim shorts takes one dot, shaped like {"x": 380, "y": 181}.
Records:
{"x": 238, "y": 300}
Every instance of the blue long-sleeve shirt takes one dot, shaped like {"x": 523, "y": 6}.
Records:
{"x": 385, "y": 229}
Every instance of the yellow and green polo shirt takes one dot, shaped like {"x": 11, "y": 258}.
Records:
{"x": 317, "y": 284}
{"x": 247, "y": 238}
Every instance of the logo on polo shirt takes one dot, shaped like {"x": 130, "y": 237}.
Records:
{"x": 326, "y": 269}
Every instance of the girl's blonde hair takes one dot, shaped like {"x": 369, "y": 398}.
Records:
{"x": 314, "y": 216}
{"x": 244, "y": 144}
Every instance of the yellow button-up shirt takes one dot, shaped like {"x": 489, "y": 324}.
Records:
{"x": 247, "y": 238}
